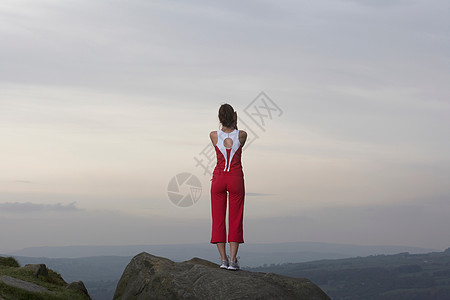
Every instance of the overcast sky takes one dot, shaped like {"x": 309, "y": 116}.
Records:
{"x": 103, "y": 102}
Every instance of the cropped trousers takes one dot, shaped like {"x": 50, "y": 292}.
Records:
{"x": 223, "y": 185}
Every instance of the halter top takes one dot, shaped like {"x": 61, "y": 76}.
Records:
{"x": 228, "y": 159}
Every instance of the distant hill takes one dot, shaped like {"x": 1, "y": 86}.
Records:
{"x": 253, "y": 254}
{"x": 402, "y": 276}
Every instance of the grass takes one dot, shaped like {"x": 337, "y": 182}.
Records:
{"x": 8, "y": 262}
{"x": 54, "y": 283}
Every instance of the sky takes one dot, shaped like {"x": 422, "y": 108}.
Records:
{"x": 102, "y": 103}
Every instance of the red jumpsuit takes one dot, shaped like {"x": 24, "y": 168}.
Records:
{"x": 227, "y": 177}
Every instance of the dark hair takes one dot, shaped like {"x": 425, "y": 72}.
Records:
{"x": 226, "y": 116}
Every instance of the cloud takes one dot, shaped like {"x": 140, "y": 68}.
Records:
{"x": 17, "y": 207}
{"x": 151, "y": 47}
{"x": 422, "y": 222}
{"x": 363, "y": 84}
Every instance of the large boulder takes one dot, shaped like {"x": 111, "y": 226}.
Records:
{"x": 152, "y": 277}
{"x": 37, "y": 269}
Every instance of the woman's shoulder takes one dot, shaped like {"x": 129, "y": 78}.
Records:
{"x": 213, "y": 136}
{"x": 242, "y": 134}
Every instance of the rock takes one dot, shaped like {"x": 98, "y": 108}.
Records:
{"x": 24, "y": 285}
{"x": 152, "y": 277}
{"x": 78, "y": 286}
{"x": 38, "y": 269}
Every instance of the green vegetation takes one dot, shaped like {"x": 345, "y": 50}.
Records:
{"x": 8, "y": 262}
{"x": 400, "y": 276}
{"x": 53, "y": 282}
{"x": 13, "y": 293}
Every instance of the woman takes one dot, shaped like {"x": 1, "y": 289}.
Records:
{"x": 228, "y": 177}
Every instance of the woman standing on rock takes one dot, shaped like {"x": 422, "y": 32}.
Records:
{"x": 228, "y": 177}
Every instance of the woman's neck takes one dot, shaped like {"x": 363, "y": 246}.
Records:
{"x": 227, "y": 129}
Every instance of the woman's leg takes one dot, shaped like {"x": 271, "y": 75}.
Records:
{"x": 218, "y": 212}
{"x": 236, "y": 196}
{"x": 234, "y": 246}
{"x": 236, "y": 191}
{"x": 222, "y": 251}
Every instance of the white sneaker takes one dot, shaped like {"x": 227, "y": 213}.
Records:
{"x": 224, "y": 264}
{"x": 234, "y": 266}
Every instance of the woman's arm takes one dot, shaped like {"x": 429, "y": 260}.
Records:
{"x": 213, "y": 137}
{"x": 242, "y": 137}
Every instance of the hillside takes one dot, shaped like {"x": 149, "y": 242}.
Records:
{"x": 36, "y": 282}
{"x": 379, "y": 277}
{"x": 100, "y": 274}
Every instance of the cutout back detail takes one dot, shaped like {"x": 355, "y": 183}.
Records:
{"x": 228, "y": 143}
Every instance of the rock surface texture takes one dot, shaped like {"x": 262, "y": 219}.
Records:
{"x": 152, "y": 277}
{"x": 21, "y": 284}
{"x": 80, "y": 287}
{"x": 38, "y": 269}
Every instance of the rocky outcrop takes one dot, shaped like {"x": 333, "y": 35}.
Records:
{"x": 31, "y": 276}
{"x": 78, "y": 286}
{"x": 37, "y": 269}
{"x": 152, "y": 277}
